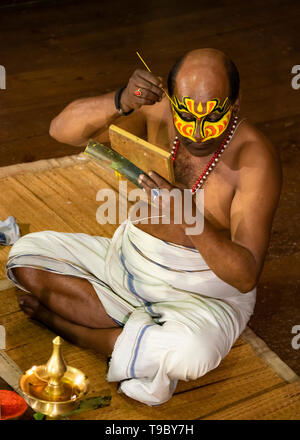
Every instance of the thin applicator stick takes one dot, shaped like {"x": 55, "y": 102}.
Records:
{"x": 143, "y": 61}
{"x": 151, "y": 72}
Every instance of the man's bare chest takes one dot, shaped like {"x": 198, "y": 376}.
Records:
{"x": 220, "y": 186}
{"x": 218, "y": 189}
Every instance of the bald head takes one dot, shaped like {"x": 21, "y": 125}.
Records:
{"x": 204, "y": 74}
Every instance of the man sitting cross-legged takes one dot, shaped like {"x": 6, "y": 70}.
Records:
{"x": 164, "y": 304}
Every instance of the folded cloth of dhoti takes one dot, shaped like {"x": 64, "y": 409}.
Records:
{"x": 179, "y": 319}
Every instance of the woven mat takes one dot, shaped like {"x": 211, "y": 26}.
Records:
{"x": 61, "y": 197}
{"x": 251, "y": 382}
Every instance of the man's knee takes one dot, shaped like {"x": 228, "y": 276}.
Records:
{"x": 28, "y": 277}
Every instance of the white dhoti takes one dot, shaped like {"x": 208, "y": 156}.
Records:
{"x": 179, "y": 319}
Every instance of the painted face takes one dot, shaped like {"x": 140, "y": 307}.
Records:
{"x": 213, "y": 122}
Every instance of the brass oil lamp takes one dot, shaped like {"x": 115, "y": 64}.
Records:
{"x": 54, "y": 389}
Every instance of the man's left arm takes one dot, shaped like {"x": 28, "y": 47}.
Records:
{"x": 239, "y": 261}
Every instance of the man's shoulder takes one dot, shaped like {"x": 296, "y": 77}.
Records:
{"x": 255, "y": 149}
{"x": 258, "y": 159}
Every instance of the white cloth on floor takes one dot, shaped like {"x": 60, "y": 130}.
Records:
{"x": 9, "y": 231}
{"x": 179, "y": 319}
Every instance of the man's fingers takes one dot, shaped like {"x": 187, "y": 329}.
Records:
{"x": 148, "y": 77}
{"x": 149, "y": 82}
{"x": 159, "y": 181}
{"x": 152, "y": 191}
{"x": 143, "y": 88}
{"x": 151, "y": 90}
{"x": 154, "y": 180}
{"x": 153, "y": 184}
{"x": 146, "y": 182}
{"x": 148, "y": 94}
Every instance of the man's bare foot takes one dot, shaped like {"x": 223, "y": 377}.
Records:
{"x": 30, "y": 305}
{"x": 101, "y": 340}
{"x": 33, "y": 308}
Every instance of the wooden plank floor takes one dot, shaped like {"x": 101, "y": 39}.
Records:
{"x": 243, "y": 386}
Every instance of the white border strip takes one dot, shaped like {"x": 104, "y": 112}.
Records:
{"x": 10, "y": 372}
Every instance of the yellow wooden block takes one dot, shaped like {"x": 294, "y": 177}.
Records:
{"x": 141, "y": 153}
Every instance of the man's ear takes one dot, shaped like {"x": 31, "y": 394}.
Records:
{"x": 236, "y": 105}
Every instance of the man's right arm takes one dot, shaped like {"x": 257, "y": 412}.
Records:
{"x": 88, "y": 118}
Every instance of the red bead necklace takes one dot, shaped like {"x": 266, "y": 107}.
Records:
{"x": 213, "y": 161}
